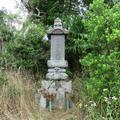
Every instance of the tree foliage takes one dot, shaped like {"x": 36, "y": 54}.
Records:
{"x": 28, "y": 51}
{"x": 102, "y": 45}
{"x": 6, "y": 31}
{"x": 48, "y": 10}
{"x": 101, "y": 66}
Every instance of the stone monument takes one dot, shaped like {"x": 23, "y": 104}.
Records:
{"x": 55, "y": 90}
{"x": 57, "y": 62}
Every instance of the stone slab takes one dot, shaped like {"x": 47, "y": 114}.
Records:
{"x": 58, "y": 89}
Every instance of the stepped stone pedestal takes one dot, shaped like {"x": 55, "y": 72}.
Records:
{"x": 56, "y": 89}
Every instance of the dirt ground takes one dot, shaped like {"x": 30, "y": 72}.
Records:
{"x": 73, "y": 114}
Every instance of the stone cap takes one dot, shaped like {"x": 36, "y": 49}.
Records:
{"x": 57, "y": 29}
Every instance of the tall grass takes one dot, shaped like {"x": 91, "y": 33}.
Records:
{"x": 17, "y": 98}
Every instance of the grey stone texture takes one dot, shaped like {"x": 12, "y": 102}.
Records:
{"x": 56, "y": 73}
{"x": 56, "y": 89}
{"x": 57, "y": 62}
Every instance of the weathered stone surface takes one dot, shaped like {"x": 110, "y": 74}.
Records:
{"x": 43, "y": 102}
{"x": 57, "y": 62}
{"x": 57, "y": 29}
{"x": 56, "y": 74}
{"x": 55, "y": 91}
{"x": 57, "y": 47}
{"x": 58, "y": 89}
{"x": 57, "y": 23}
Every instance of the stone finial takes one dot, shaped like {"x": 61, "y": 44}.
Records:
{"x": 57, "y": 29}
{"x": 57, "y": 23}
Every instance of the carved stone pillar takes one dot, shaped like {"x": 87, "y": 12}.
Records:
{"x": 57, "y": 62}
{"x": 54, "y": 89}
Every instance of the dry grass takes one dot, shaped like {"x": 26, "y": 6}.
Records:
{"x": 73, "y": 114}
{"x": 17, "y": 98}
{"x": 17, "y": 101}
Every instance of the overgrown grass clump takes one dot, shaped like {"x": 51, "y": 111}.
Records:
{"x": 17, "y": 98}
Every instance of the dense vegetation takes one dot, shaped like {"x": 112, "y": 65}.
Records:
{"x": 92, "y": 50}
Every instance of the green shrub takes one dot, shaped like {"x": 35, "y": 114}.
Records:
{"x": 101, "y": 56}
{"x": 28, "y": 51}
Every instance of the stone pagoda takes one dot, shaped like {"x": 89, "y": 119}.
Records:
{"x": 55, "y": 90}
{"x": 57, "y": 62}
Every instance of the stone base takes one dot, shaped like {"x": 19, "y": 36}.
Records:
{"x": 54, "y": 94}
{"x": 56, "y": 74}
